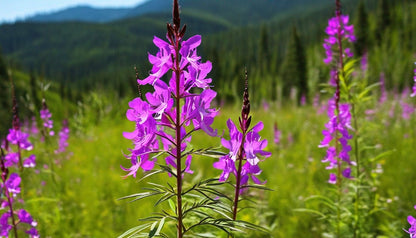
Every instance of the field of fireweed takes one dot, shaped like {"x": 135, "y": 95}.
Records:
{"x": 176, "y": 162}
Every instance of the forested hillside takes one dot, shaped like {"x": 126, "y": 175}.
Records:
{"x": 236, "y": 34}
{"x": 87, "y": 53}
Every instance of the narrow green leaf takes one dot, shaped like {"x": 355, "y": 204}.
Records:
{"x": 134, "y": 230}
{"x": 153, "y": 229}
{"x": 172, "y": 206}
{"x": 305, "y": 210}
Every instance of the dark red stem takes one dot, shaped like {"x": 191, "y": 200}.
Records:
{"x": 16, "y": 122}
{"x": 245, "y": 120}
{"x": 240, "y": 158}
{"x": 4, "y": 174}
{"x": 175, "y": 36}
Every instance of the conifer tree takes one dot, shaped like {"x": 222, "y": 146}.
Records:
{"x": 361, "y": 29}
{"x": 264, "y": 53}
{"x": 33, "y": 91}
{"x": 383, "y": 19}
{"x": 5, "y": 105}
{"x": 3, "y": 68}
{"x": 293, "y": 70}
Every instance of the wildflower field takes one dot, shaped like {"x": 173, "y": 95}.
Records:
{"x": 90, "y": 182}
{"x": 322, "y": 146}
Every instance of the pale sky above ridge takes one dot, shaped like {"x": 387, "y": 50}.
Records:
{"x": 12, "y": 10}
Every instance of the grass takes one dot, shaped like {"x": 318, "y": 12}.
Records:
{"x": 81, "y": 192}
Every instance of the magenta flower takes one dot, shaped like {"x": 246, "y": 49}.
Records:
{"x": 17, "y": 137}
{"x": 63, "y": 138}
{"x": 156, "y": 116}
{"x": 11, "y": 159}
{"x": 253, "y": 150}
{"x": 25, "y": 217}
{"x": 337, "y": 125}
{"x": 364, "y": 62}
{"x": 266, "y": 106}
{"x": 337, "y": 28}
{"x": 277, "y": 134}
{"x": 332, "y": 78}
{"x": 29, "y": 162}
{"x": 46, "y": 115}
{"x": 5, "y": 227}
{"x": 412, "y": 229}
{"x": 303, "y": 100}
{"x": 407, "y": 109}
{"x": 13, "y": 184}
{"x": 34, "y": 127}
{"x": 161, "y": 62}
{"x": 414, "y": 86}
{"x": 33, "y": 233}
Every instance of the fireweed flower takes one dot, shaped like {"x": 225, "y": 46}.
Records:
{"x": 17, "y": 137}
{"x": 337, "y": 132}
{"x": 63, "y": 138}
{"x": 364, "y": 62}
{"x": 46, "y": 115}
{"x": 277, "y": 134}
{"x": 407, "y": 109}
{"x": 414, "y": 86}
{"x": 5, "y": 227}
{"x": 303, "y": 100}
{"x": 156, "y": 115}
{"x": 244, "y": 146}
{"x": 253, "y": 149}
{"x": 245, "y": 149}
{"x": 383, "y": 91}
{"x": 338, "y": 28}
{"x": 333, "y": 77}
{"x": 412, "y": 223}
{"x": 34, "y": 127}
{"x": 10, "y": 188}
{"x": 20, "y": 139}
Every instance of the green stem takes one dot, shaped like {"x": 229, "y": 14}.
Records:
{"x": 358, "y": 179}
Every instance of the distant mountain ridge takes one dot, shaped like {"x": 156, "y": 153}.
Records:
{"x": 240, "y": 12}
{"x": 85, "y": 13}
{"x": 98, "y": 51}
{"x": 81, "y": 13}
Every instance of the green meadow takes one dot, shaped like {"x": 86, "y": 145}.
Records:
{"x": 79, "y": 195}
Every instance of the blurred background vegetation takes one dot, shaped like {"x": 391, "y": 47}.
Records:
{"x": 280, "y": 43}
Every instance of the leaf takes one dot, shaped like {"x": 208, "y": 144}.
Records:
{"x": 160, "y": 227}
{"x": 206, "y": 235}
{"x": 153, "y": 172}
{"x": 382, "y": 155}
{"x": 367, "y": 90}
{"x": 257, "y": 187}
{"x": 172, "y": 206}
{"x": 312, "y": 211}
{"x": 324, "y": 200}
{"x": 133, "y": 231}
{"x": 153, "y": 229}
{"x": 139, "y": 196}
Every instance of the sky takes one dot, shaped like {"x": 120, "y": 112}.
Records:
{"x": 12, "y": 10}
